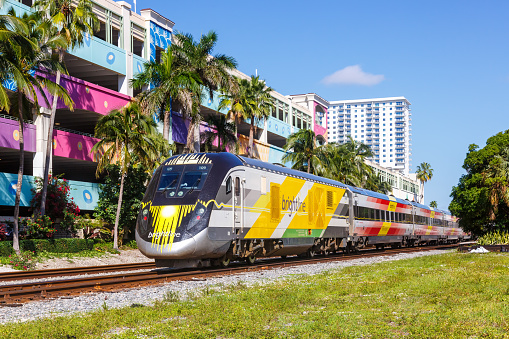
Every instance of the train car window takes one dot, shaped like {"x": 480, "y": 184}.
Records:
{"x": 371, "y": 214}
{"x": 237, "y": 186}
{"x": 229, "y": 185}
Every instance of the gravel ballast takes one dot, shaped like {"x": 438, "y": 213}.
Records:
{"x": 148, "y": 295}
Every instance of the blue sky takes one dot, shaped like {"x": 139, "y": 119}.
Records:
{"x": 450, "y": 59}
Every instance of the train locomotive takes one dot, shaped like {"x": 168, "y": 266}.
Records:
{"x": 211, "y": 208}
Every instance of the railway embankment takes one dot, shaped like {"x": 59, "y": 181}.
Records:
{"x": 428, "y": 294}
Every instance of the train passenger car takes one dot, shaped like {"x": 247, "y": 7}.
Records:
{"x": 202, "y": 209}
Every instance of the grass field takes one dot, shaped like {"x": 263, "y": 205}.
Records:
{"x": 453, "y": 295}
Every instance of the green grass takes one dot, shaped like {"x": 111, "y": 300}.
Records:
{"x": 452, "y": 295}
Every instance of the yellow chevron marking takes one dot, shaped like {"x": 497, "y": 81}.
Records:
{"x": 428, "y": 231}
{"x": 316, "y": 215}
{"x": 264, "y": 226}
{"x": 385, "y": 228}
{"x": 392, "y": 206}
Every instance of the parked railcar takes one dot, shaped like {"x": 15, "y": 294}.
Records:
{"x": 211, "y": 208}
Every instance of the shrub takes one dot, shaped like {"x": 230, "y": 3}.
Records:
{"x": 24, "y": 261}
{"x": 5, "y": 231}
{"x": 65, "y": 245}
{"x": 59, "y": 204}
{"x": 494, "y": 238}
{"x": 39, "y": 227}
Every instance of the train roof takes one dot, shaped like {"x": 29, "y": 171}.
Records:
{"x": 232, "y": 160}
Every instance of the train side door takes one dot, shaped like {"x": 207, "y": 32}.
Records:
{"x": 238, "y": 204}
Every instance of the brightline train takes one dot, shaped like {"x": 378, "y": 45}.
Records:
{"x": 212, "y": 208}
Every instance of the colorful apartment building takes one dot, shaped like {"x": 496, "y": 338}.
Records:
{"x": 98, "y": 82}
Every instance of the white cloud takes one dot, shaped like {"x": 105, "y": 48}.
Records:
{"x": 353, "y": 75}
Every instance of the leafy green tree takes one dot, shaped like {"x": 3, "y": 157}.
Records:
{"x": 134, "y": 189}
{"x": 213, "y": 71}
{"x": 126, "y": 135}
{"x": 71, "y": 21}
{"x": 424, "y": 174}
{"x": 433, "y": 204}
{"x": 26, "y": 44}
{"x": 171, "y": 86}
{"x": 481, "y": 198}
{"x": 221, "y": 129}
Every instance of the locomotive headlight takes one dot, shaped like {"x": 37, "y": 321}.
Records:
{"x": 144, "y": 213}
{"x": 200, "y": 211}
{"x": 168, "y": 211}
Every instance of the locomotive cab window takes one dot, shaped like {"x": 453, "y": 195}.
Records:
{"x": 229, "y": 185}
{"x": 193, "y": 180}
{"x": 169, "y": 179}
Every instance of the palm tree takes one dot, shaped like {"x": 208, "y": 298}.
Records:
{"x": 71, "y": 21}
{"x": 125, "y": 134}
{"x": 170, "y": 86}
{"x": 302, "y": 151}
{"x": 424, "y": 173}
{"x": 25, "y": 46}
{"x": 221, "y": 129}
{"x": 260, "y": 111}
{"x": 237, "y": 101}
{"x": 433, "y": 204}
{"x": 213, "y": 72}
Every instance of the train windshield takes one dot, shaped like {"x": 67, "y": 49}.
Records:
{"x": 176, "y": 181}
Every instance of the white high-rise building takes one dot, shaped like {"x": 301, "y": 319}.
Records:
{"x": 382, "y": 123}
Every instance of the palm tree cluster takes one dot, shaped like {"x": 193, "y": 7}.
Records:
{"x": 178, "y": 81}
{"x": 252, "y": 101}
{"x": 342, "y": 162}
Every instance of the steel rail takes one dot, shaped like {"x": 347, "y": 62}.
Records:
{"x": 60, "y": 272}
{"x": 13, "y": 295}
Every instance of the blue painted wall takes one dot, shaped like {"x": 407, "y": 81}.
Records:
{"x": 84, "y": 194}
{"x": 159, "y": 37}
{"x": 278, "y": 127}
{"x": 103, "y": 54}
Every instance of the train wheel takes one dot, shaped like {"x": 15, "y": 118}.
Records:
{"x": 283, "y": 257}
{"x": 224, "y": 262}
{"x": 251, "y": 259}
{"x": 326, "y": 252}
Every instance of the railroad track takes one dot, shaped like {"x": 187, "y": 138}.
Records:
{"x": 60, "y": 272}
{"x": 16, "y": 294}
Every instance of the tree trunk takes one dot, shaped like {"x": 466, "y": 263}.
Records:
{"x": 309, "y": 165}
{"x": 251, "y": 138}
{"x": 117, "y": 218}
{"x": 166, "y": 122}
{"x": 197, "y": 143}
{"x": 15, "y": 235}
{"x": 190, "y": 138}
{"x": 49, "y": 142}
